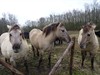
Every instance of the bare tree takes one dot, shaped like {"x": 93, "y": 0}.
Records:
{"x": 12, "y": 19}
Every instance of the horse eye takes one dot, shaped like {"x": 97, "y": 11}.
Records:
{"x": 20, "y": 34}
{"x": 10, "y": 35}
{"x": 62, "y": 30}
{"x": 88, "y": 34}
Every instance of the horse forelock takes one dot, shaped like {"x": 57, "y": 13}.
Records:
{"x": 86, "y": 28}
{"x": 15, "y": 27}
{"x": 50, "y": 28}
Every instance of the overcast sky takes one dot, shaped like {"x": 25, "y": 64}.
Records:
{"x": 34, "y": 9}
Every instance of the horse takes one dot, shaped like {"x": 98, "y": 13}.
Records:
{"x": 97, "y": 33}
{"x": 43, "y": 40}
{"x": 14, "y": 47}
{"x": 88, "y": 42}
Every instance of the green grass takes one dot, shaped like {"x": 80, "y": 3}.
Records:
{"x": 63, "y": 68}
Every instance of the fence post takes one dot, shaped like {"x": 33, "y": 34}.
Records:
{"x": 63, "y": 55}
{"x": 71, "y": 57}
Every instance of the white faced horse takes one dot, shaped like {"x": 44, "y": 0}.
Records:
{"x": 43, "y": 40}
{"x": 88, "y": 42}
{"x": 13, "y": 45}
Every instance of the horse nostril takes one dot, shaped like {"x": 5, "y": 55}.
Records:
{"x": 81, "y": 46}
{"x": 16, "y": 46}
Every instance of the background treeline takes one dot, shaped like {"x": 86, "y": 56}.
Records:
{"x": 72, "y": 20}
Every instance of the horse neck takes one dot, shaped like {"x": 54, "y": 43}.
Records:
{"x": 50, "y": 38}
{"x": 24, "y": 45}
{"x": 93, "y": 37}
{"x": 94, "y": 41}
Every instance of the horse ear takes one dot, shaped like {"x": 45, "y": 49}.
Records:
{"x": 60, "y": 25}
{"x": 9, "y": 27}
{"x": 82, "y": 26}
{"x": 93, "y": 26}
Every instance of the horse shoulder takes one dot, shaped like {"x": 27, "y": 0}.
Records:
{"x": 24, "y": 50}
{"x": 35, "y": 36}
{"x": 46, "y": 41}
{"x": 34, "y": 31}
{"x": 6, "y": 48}
{"x": 96, "y": 42}
{"x": 25, "y": 45}
{"x": 80, "y": 36}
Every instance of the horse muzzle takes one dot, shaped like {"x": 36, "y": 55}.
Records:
{"x": 16, "y": 48}
{"x": 68, "y": 40}
{"x": 82, "y": 46}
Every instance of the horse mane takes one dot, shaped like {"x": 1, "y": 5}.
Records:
{"x": 14, "y": 27}
{"x": 87, "y": 26}
{"x": 50, "y": 28}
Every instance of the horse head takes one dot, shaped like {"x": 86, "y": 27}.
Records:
{"x": 87, "y": 33}
{"x": 62, "y": 33}
{"x": 58, "y": 29}
{"x": 15, "y": 37}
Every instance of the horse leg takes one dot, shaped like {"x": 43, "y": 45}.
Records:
{"x": 0, "y": 51}
{"x": 60, "y": 41}
{"x": 33, "y": 49}
{"x": 13, "y": 63}
{"x": 92, "y": 61}
{"x": 83, "y": 53}
{"x": 6, "y": 60}
{"x": 49, "y": 58}
{"x": 40, "y": 60}
{"x": 26, "y": 67}
{"x": 54, "y": 43}
{"x": 37, "y": 52}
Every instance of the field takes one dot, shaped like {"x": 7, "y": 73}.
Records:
{"x": 63, "y": 68}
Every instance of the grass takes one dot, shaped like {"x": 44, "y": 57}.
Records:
{"x": 64, "y": 66}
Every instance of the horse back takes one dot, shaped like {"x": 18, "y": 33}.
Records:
{"x": 34, "y": 36}
{"x": 96, "y": 41}
{"x": 80, "y": 36}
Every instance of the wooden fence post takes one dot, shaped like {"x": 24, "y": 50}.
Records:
{"x": 11, "y": 68}
{"x": 71, "y": 57}
{"x": 63, "y": 55}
